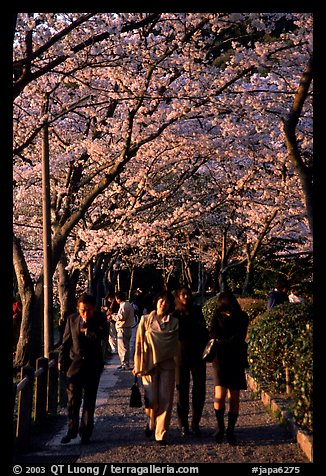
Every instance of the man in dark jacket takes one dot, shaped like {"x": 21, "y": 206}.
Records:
{"x": 81, "y": 358}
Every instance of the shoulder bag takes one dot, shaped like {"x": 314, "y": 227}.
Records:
{"x": 210, "y": 350}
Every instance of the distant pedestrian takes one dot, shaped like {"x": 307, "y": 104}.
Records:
{"x": 229, "y": 327}
{"x": 294, "y": 297}
{"x": 137, "y": 301}
{"x": 111, "y": 307}
{"x": 193, "y": 336}
{"x": 124, "y": 321}
{"x": 81, "y": 358}
{"x": 279, "y": 294}
{"x": 157, "y": 346}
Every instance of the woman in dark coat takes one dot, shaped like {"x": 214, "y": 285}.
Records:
{"x": 229, "y": 328}
{"x": 193, "y": 336}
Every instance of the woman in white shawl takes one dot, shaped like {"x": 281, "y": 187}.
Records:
{"x": 157, "y": 346}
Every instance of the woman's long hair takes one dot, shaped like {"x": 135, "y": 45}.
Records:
{"x": 226, "y": 301}
{"x": 177, "y": 293}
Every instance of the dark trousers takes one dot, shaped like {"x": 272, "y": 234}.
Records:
{"x": 82, "y": 386}
{"x": 184, "y": 372}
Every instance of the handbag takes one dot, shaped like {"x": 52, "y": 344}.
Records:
{"x": 135, "y": 397}
{"x": 210, "y": 350}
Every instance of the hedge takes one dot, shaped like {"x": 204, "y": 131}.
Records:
{"x": 283, "y": 338}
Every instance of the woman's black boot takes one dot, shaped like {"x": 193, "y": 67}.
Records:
{"x": 230, "y": 436}
{"x": 219, "y": 433}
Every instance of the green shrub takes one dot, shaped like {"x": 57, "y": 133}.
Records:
{"x": 280, "y": 338}
{"x": 208, "y": 310}
{"x": 301, "y": 362}
{"x": 253, "y": 306}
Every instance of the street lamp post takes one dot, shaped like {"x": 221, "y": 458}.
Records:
{"x": 47, "y": 274}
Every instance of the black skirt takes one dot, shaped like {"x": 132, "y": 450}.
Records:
{"x": 229, "y": 372}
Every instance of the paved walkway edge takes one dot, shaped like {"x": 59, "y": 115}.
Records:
{"x": 304, "y": 440}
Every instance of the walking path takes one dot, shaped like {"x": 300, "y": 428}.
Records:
{"x": 118, "y": 435}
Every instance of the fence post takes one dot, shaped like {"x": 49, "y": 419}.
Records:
{"x": 287, "y": 381}
{"x": 25, "y": 405}
{"x": 53, "y": 383}
{"x": 41, "y": 387}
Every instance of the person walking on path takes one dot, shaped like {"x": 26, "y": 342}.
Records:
{"x": 229, "y": 328}
{"x": 193, "y": 336}
{"x": 111, "y": 307}
{"x": 124, "y": 321}
{"x": 157, "y": 345}
{"x": 81, "y": 358}
{"x": 279, "y": 294}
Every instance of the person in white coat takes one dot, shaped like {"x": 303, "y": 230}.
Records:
{"x": 124, "y": 321}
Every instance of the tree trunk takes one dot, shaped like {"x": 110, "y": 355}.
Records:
{"x": 252, "y": 254}
{"x": 99, "y": 290}
{"x": 132, "y": 274}
{"x": 202, "y": 279}
{"x": 96, "y": 278}
{"x": 222, "y": 281}
{"x": 106, "y": 283}
{"x": 66, "y": 291}
{"x": 186, "y": 273}
{"x": 216, "y": 274}
{"x": 290, "y": 123}
{"x": 246, "y": 285}
{"x": 24, "y": 343}
{"x": 27, "y": 296}
{"x": 225, "y": 253}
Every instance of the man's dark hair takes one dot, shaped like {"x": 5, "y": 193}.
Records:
{"x": 86, "y": 299}
{"x": 120, "y": 295}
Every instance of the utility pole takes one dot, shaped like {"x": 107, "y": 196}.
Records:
{"x": 47, "y": 273}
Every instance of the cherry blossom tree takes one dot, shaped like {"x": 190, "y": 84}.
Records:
{"x": 206, "y": 221}
{"x": 139, "y": 104}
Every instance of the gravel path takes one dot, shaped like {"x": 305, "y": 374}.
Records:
{"x": 119, "y": 433}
